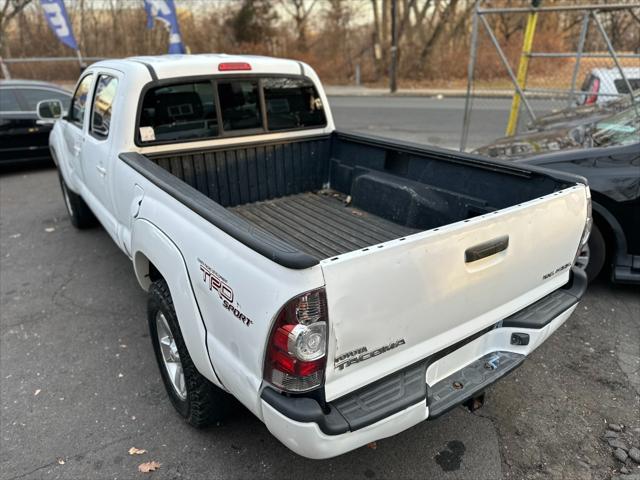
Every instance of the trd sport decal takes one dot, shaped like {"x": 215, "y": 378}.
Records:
{"x": 361, "y": 354}
{"x": 217, "y": 282}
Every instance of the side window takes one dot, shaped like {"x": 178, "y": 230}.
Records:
{"x": 32, "y": 96}
{"x": 239, "y": 104}
{"x": 79, "y": 101}
{"x": 8, "y": 101}
{"x": 103, "y": 98}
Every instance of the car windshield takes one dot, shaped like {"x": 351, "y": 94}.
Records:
{"x": 620, "y": 129}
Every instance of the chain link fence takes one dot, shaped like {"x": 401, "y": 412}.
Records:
{"x": 565, "y": 59}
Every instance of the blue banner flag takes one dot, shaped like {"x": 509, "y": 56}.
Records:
{"x": 59, "y": 21}
{"x": 165, "y": 12}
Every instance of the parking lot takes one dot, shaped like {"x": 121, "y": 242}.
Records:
{"x": 80, "y": 387}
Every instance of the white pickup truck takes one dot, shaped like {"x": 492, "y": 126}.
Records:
{"x": 342, "y": 287}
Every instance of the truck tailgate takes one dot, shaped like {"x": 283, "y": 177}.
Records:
{"x": 393, "y": 304}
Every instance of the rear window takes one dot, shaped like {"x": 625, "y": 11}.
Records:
{"x": 239, "y": 104}
{"x": 8, "y": 101}
{"x": 292, "y": 103}
{"x": 179, "y": 112}
{"x": 205, "y": 109}
{"x": 621, "y": 85}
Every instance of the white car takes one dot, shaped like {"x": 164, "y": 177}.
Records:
{"x": 604, "y": 85}
{"x": 343, "y": 287}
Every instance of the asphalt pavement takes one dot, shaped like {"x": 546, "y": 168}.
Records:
{"x": 424, "y": 119}
{"x": 79, "y": 385}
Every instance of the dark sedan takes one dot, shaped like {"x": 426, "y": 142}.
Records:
{"x": 607, "y": 154}
{"x": 23, "y": 137}
{"x": 583, "y": 114}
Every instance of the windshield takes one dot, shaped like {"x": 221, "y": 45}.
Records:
{"x": 620, "y": 129}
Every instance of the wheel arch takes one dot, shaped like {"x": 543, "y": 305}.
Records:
{"x": 611, "y": 230}
{"x": 145, "y": 270}
{"x": 155, "y": 256}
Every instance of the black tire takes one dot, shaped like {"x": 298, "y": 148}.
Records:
{"x": 79, "y": 212}
{"x": 597, "y": 253}
{"x": 205, "y": 403}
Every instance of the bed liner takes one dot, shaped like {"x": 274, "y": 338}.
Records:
{"x": 321, "y": 223}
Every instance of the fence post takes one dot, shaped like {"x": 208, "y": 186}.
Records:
{"x": 576, "y": 68}
{"x": 523, "y": 69}
{"x": 470, "y": 74}
{"x": 393, "y": 69}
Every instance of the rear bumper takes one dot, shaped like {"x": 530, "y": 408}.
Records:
{"x": 423, "y": 390}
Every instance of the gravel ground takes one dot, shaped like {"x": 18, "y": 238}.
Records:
{"x": 79, "y": 386}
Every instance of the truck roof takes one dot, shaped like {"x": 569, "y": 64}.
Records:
{"x": 172, "y": 66}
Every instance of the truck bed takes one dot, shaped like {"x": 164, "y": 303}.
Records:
{"x": 329, "y": 225}
{"x": 288, "y": 199}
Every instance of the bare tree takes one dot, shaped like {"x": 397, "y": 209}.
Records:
{"x": 10, "y": 10}
{"x": 299, "y": 10}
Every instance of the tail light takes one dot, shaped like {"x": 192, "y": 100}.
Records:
{"x": 588, "y": 224}
{"x": 297, "y": 349}
{"x": 594, "y": 89}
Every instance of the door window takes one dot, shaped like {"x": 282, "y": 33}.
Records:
{"x": 105, "y": 94}
{"x": 79, "y": 101}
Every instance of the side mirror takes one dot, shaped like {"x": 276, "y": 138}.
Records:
{"x": 49, "y": 109}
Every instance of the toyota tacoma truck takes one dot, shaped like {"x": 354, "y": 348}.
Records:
{"x": 342, "y": 287}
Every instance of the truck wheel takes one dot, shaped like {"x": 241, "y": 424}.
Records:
{"x": 198, "y": 400}
{"x": 79, "y": 212}
{"x": 592, "y": 256}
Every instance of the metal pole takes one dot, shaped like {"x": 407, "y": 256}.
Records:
{"x": 80, "y": 61}
{"x": 393, "y": 81}
{"x": 612, "y": 52}
{"x": 583, "y": 35}
{"x": 565, "y": 8}
{"x": 5, "y": 70}
{"x": 523, "y": 70}
{"x": 470, "y": 73}
{"x": 505, "y": 62}
{"x": 584, "y": 55}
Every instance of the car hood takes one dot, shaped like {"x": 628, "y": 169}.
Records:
{"x": 520, "y": 146}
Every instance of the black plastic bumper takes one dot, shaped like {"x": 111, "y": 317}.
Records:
{"x": 542, "y": 312}
{"x": 408, "y": 387}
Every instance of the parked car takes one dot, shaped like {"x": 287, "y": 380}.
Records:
{"x": 603, "y": 85}
{"x": 23, "y": 136}
{"x": 343, "y": 287}
{"x": 583, "y": 114}
{"x": 607, "y": 154}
